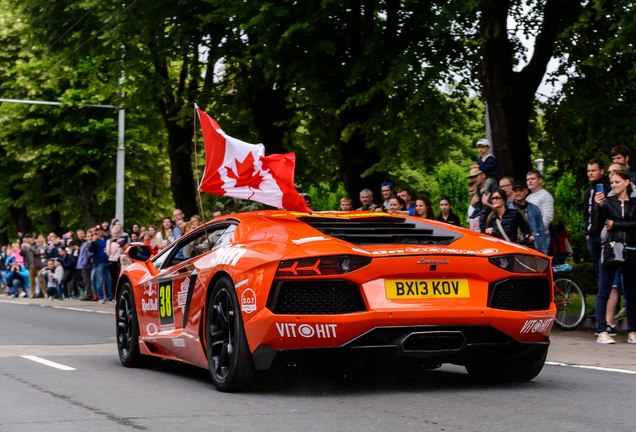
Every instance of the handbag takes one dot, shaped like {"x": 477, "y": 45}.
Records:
{"x": 501, "y": 230}
{"x": 613, "y": 253}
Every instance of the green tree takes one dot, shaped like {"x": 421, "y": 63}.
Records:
{"x": 509, "y": 89}
{"x": 597, "y": 104}
{"x": 354, "y": 85}
{"x": 60, "y": 160}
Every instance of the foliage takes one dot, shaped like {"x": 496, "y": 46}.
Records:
{"x": 596, "y": 107}
{"x": 323, "y": 197}
{"x": 568, "y": 208}
{"x": 453, "y": 184}
{"x": 60, "y": 159}
{"x": 361, "y": 91}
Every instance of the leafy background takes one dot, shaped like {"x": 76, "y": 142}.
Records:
{"x": 362, "y": 92}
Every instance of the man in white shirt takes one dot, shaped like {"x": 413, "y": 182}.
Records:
{"x": 541, "y": 198}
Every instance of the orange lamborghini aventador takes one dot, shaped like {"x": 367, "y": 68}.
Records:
{"x": 245, "y": 289}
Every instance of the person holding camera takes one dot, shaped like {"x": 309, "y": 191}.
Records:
{"x": 18, "y": 279}
{"x": 53, "y": 273}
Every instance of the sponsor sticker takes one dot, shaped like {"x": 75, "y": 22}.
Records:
{"x": 151, "y": 329}
{"x": 178, "y": 343}
{"x": 429, "y": 288}
{"x": 149, "y": 305}
{"x": 537, "y": 326}
{"x": 435, "y": 250}
{"x": 150, "y": 290}
{"x": 307, "y": 331}
{"x": 227, "y": 255}
{"x": 248, "y": 301}
{"x": 149, "y": 298}
{"x": 182, "y": 295}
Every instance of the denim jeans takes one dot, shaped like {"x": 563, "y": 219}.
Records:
{"x": 15, "y": 287}
{"x": 606, "y": 279}
{"x": 102, "y": 276}
{"x": 594, "y": 248}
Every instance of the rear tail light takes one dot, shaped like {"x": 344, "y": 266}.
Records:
{"x": 520, "y": 263}
{"x": 321, "y": 266}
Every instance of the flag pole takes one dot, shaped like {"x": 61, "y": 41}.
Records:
{"x": 196, "y": 165}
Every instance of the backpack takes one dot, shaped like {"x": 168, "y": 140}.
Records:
{"x": 559, "y": 240}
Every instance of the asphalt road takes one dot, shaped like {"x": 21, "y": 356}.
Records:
{"x": 86, "y": 388}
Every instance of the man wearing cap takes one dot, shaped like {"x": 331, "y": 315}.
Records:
{"x": 531, "y": 213}
{"x": 100, "y": 263}
{"x": 486, "y": 161}
{"x": 477, "y": 186}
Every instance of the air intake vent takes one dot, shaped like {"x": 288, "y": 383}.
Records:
{"x": 520, "y": 294}
{"x": 381, "y": 230}
{"x": 315, "y": 298}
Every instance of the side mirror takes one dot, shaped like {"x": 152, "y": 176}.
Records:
{"x": 139, "y": 252}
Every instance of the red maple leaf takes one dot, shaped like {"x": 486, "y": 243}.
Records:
{"x": 244, "y": 174}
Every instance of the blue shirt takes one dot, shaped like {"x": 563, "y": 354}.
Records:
{"x": 84, "y": 259}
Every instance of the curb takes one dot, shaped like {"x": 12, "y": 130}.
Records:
{"x": 74, "y": 304}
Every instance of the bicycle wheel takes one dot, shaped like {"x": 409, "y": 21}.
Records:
{"x": 570, "y": 304}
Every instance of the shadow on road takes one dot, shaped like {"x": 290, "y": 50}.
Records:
{"x": 328, "y": 379}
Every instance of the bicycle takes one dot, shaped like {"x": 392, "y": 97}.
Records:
{"x": 569, "y": 299}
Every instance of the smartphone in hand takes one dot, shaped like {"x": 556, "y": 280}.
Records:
{"x": 599, "y": 188}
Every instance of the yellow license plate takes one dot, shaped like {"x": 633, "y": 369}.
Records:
{"x": 429, "y": 288}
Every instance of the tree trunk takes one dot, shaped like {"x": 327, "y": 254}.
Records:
{"x": 510, "y": 94}
{"x": 51, "y": 202}
{"x": 269, "y": 111}
{"x": 88, "y": 199}
{"x": 356, "y": 158}
{"x": 19, "y": 214}
{"x": 182, "y": 177}
{"x": 509, "y": 112}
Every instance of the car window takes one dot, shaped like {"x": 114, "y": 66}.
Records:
{"x": 225, "y": 237}
{"x": 199, "y": 242}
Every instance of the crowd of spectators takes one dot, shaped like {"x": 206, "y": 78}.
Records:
{"x": 84, "y": 264}
{"x": 522, "y": 211}
{"x": 519, "y": 211}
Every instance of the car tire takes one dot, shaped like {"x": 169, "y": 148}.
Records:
{"x": 521, "y": 368}
{"x": 229, "y": 358}
{"x": 128, "y": 330}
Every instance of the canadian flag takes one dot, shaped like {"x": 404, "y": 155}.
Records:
{"x": 237, "y": 169}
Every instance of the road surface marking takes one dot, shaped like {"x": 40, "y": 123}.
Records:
{"x": 598, "y": 368}
{"x": 48, "y": 363}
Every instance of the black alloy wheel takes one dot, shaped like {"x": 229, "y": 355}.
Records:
{"x": 229, "y": 359}
{"x": 128, "y": 329}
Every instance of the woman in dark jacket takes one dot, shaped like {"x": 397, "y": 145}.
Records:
{"x": 618, "y": 213}
{"x": 500, "y": 217}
